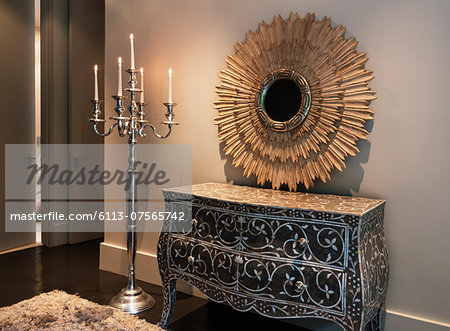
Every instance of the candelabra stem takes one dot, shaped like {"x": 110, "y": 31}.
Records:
{"x": 132, "y": 299}
{"x": 131, "y": 220}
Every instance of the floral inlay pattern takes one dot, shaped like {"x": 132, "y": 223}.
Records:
{"x": 281, "y": 199}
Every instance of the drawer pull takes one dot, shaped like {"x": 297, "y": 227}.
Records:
{"x": 302, "y": 242}
{"x": 299, "y": 287}
{"x": 191, "y": 260}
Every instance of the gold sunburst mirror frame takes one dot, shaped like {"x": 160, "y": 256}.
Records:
{"x": 293, "y": 101}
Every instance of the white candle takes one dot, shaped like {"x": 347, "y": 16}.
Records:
{"x": 119, "y": 83}
{"x": 142, "y": 85}
{"x": 132, "y": 51}
{"x": 95, "y": 83}
{"x": 170, "y": 85}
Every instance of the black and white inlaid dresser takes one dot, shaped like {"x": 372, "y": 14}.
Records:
{"x": 281, "y": 254}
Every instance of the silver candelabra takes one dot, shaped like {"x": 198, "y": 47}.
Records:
{"x": 131, "y": 299}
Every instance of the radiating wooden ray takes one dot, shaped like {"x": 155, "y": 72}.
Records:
{"x": 340, "y": 96}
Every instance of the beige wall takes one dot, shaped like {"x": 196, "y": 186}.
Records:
{"x": 405, "y": 160}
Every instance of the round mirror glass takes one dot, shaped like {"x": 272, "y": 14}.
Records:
{"x": 282, "y": 100}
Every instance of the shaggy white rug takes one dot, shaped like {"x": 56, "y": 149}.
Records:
{"x": 58, "y": 310}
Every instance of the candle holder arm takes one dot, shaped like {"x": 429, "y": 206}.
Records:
{"x": 143, "y": 135}
{"x": 111, "y": 129}
{"x": 169, "y": 122}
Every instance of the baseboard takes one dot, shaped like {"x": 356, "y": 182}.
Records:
{"x": 397, "y": 321}
{"x": 20, "y": 248}
{"x": 114, "y": 259}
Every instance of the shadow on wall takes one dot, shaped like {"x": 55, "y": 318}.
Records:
{"x": 347, "y": 182}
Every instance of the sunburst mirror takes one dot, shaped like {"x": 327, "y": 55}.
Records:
{"x": 293, "y": 101}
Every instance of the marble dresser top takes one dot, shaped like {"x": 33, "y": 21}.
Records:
{"x": 283, "y": 199}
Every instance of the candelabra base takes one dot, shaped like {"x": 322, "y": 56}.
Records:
{"x": 132, "y": 301}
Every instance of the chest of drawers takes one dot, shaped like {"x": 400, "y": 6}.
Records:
{"x": 281, "y": 254}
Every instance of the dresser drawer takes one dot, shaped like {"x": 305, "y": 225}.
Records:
{"x": 256, "y": 277}
{"x": 201, "y": 260}
{"x": 316, "y": 241}
{"x": 294, "y": 283}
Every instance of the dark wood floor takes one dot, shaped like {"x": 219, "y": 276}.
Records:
{"x": 74, "y": 269}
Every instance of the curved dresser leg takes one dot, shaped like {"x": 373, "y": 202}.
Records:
{"x": 169, "y": 297}
{"x": 377, "y": 323}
